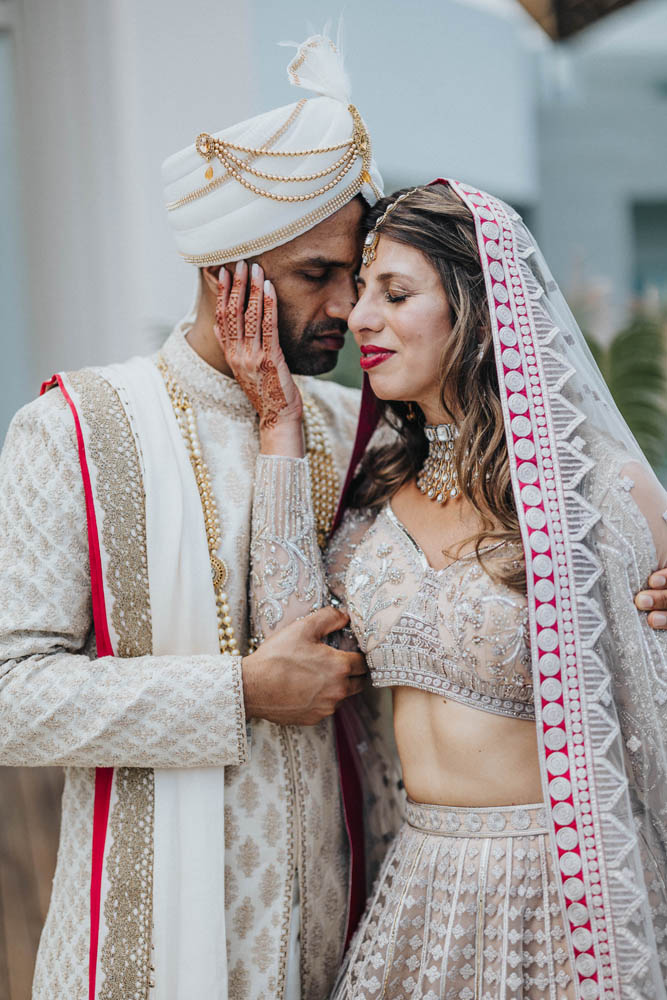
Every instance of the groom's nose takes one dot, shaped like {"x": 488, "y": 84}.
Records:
{"x": 342, "y": 298}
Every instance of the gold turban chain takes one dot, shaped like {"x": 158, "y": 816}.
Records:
{"x": 226, "y": 152}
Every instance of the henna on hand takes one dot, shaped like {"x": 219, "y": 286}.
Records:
{"x": 233, "y": 313}
{"x": 251, "y": 347}
{"x": 273, "y": 397}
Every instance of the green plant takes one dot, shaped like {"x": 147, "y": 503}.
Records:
{"x": 634, "y": 366}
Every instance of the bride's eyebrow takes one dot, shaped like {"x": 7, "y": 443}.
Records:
{"x": 385, "y": 276}
{"x": 388, "y": 275}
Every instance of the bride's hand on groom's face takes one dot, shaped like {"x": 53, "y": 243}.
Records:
{"x": 249, "y": 339}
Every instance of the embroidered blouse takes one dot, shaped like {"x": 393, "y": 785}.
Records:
{"x": 456, "y": 632}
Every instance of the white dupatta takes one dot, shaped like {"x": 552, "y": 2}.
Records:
{"x": 189, "y": 955}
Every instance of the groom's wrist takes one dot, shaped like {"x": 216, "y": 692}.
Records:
{"x": 247, "y": 674}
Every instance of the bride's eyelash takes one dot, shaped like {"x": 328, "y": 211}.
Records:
{"x": 395, "y": 298}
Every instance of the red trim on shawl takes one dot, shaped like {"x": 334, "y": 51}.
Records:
{"x": 349, "y": 769}
{"x": 369, "y": 416}
{"x": 103, "y": 775}
{"x": 349, "y": 766}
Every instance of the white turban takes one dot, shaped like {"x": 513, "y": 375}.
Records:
{"x": 261, "y": 183}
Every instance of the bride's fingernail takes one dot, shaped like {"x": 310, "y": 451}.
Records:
{"x": 659, "y": 581}
{"x": 660, "y": 620}
{"x": 239, "y": 266}
{"x": 254, "y": 271}
{"x": 267, "y": 286}
{"x": 645, "y": 602}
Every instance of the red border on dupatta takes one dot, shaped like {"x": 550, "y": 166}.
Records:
{"x": 533, "y": 457}
{"x": 349, "y": 765}
{"x": 103, "y": 775}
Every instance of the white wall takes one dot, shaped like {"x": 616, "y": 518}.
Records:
{"x": 603, "y": 145}
{"x": 105, "y": 91}
{"x": 14, "y": 370}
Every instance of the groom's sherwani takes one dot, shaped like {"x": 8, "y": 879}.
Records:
{"x": 61, "y": 704}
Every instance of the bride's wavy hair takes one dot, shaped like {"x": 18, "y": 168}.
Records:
{"x": 436, "y": 222}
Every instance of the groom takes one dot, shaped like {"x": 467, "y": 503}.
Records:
{"x": 204, "y": 845}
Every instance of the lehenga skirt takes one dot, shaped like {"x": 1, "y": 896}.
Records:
{"x": 465, "y": 908}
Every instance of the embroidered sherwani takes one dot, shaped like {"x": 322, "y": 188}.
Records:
{"x": 61, "y": 704}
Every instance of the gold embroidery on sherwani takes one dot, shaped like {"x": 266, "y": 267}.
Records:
{"x": 120, "y": 493}
{"x": 128, "y": 908}
{"x": 290, "y": 867}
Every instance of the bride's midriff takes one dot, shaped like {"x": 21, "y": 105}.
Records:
{"x": 459, "y": 756}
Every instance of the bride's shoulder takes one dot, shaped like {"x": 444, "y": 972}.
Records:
{"x": 625, "y": 491}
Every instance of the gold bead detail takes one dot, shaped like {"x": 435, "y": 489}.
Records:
{"x": 187, "y": 423}
{"x": 323, "y": 477}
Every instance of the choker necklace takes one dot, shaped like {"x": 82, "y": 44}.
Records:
{"x": 437, "y": 479}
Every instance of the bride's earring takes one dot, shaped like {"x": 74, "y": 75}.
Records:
{"x": 412, "y": 413}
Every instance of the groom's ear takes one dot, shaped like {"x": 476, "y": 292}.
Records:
{"x": 210, "y": 276}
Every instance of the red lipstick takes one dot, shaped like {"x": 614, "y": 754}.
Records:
{"x": 373, "y": 356}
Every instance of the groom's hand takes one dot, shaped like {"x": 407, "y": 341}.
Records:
{"x": 295, "y": 679}
{"x": 655, "y": 600}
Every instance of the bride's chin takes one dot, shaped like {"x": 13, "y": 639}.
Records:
{"x": 386, "y": 389}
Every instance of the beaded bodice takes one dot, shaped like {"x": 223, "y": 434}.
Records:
{"x": 454, "y": 631}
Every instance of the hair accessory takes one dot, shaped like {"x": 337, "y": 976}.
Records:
{"x": 438, "y": 479}
{"x": 368, "y": 254}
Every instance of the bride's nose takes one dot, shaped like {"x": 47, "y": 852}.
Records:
{"x": 364, "y": 317}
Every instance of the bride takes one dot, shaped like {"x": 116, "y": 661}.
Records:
{"x": 491, "y": 544}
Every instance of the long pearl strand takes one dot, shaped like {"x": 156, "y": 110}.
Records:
{"x": 323, "y": 476}
{"x": 219, "y": 572}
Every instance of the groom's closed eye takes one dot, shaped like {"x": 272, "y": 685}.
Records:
{"x": 317, "y": 277}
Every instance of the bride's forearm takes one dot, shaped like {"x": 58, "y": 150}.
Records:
{"x": 287, "y": 576}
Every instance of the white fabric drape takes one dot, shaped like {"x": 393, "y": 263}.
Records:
{"x": 190, "y": 955}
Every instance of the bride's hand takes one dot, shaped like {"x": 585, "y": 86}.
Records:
{"x": 249, "y": 341}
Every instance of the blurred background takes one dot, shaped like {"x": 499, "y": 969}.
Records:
{"x": 558, "y": 106}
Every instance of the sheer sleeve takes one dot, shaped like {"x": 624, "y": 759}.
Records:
{"x": 651, "y": 500}
{"x": 288, "y": 576}
{"x": 631, "y": 544}
{"x": 341, "y": 548}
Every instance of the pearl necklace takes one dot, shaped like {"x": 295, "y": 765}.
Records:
{"x": 323, "y": 482}
{"x": 323, "y": 475}
{"x": 219, "y": 573}
{"x": 437, "y": 479}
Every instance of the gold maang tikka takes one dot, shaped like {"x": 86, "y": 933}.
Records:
{"x": 368, "y": 254}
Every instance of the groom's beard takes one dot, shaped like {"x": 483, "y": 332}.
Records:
{"x": 314, "y": 350}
